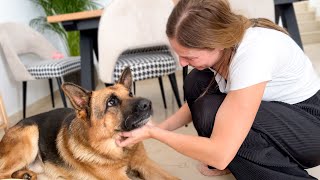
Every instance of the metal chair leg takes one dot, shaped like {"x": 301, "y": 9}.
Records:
{"x": 134, "y": 88}
{"x": 59, "y": 81}
{"x": 108, "y": 84}
{"x": 24, "y": 97}
{"x": 184, "y": 73}
{"x": 174, "y": 85}
{"x": 51, "y": 92}
{"x": 162, "y": 92}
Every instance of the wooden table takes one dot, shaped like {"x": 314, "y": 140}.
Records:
{"x": 87, "y": 24}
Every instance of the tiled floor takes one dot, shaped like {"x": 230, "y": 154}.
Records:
{"x": 177, "y": 164}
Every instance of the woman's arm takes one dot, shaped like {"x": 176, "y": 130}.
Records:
{"x": 232, "y": 124}
{"x": 234, "y": 119}
{"x": 178, "y": 119}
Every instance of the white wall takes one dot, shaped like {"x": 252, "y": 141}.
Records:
{"x": 22, "y": 11}
{"x": 315, "y": 4}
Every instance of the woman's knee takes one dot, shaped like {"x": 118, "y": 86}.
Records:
{"x": 204, "y": 112}
{"x": 195, "y": 83}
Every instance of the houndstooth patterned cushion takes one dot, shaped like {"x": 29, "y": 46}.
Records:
{"x": 54, "y": 68}
{"x": 147, "y": 49}
{"x": 146, "y": 63}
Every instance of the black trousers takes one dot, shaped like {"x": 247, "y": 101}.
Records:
{"x": 283, "y": 141}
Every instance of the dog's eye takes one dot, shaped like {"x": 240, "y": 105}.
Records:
{"x": 113, "y": 102}
{"x": 130, "y": 94}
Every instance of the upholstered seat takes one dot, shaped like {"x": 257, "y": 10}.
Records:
{"x": 52, "y": 69}
{"x": 146, "y": 63}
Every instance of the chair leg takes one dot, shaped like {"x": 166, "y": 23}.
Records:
{"x": 174, "y": 85}
{"x": 108, "y": 84}
{"x": 162, "y": 92}
{"x": 51, "y": 92}
{"x": 3, "y": 115}
{"x": 24, "y": 97}
{"x": 134, "y": 88}
{"x": 59, "y": 81}
{"x": 185, "y": 73}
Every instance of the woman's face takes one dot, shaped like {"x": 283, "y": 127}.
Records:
{"x": 197, "y": 58}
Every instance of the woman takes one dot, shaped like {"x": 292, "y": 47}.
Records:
{"x": 253, "y": 95}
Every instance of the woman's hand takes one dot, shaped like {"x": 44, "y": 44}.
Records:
{"x": 134, "y": 136}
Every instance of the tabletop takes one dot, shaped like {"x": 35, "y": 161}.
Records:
{"x": 75, "y": 16}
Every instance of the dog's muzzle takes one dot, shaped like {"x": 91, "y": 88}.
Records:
{"x": 139, "y": 115}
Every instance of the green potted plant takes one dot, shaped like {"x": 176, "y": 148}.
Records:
{"x": 54, "y": 7}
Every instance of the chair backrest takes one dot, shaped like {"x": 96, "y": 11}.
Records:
{"x": 18, "y": 39}
{"x": 3, "y": 115}
{"x": 254, "y": 8}
{"x": 130, "y": 24}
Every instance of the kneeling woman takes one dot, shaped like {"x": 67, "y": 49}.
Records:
{"x": 253, "y": 95}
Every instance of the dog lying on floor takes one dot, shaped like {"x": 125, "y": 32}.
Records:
{"x": 79, "y": 143}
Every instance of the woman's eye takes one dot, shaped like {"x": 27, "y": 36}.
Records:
{"x": 112, "y": 102}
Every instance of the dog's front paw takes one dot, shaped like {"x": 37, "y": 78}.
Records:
{"x": 24, "y": 174}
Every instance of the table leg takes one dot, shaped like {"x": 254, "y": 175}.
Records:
{"x": 95, "y": 43}
{"x": 86, "y": 52}
{"x": 289, "y": 21}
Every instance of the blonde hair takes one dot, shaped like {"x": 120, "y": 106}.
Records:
{"x": 209, "y": 24}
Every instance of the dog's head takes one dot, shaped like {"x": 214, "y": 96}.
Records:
{"x": 110, "y": 109}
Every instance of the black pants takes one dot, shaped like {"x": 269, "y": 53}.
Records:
{"x": 283, "y": 141}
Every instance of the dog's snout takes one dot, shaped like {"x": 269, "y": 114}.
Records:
{"x": 144, "y": 105}
{"x": 138, "y": 114}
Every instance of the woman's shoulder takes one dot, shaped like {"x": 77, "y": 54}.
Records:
{"x": 260, "y": 40}
{"x": 260, "y": 35}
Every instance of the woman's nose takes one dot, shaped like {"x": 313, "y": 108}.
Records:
{"x": 183, "y": 62}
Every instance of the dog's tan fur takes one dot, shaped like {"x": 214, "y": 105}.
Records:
{"x": 86, "y": 146}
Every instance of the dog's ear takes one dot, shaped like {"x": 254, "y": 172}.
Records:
{"x": 126, "y": 78}
{"x": 78, "y": 96}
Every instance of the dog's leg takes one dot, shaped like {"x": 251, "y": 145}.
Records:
{"x": 18, "y": 148}
{"x": 147, "y": 168}
{"x": 54, "y": 171}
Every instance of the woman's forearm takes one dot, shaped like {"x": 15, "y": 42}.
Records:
{"x": 178, "y": 119}
{"x": 199, "y": 148}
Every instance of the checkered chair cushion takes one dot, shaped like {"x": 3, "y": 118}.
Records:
{"x": 146, "y": 63}
{"x": 54, "y": 68}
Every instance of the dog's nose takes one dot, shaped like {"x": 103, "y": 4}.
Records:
{"x": 144, "y": 105}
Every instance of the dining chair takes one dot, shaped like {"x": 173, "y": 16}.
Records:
{"x": 3, "y": 115}
{"x": 132, "y": 33}
{"x": 30, "y": 56}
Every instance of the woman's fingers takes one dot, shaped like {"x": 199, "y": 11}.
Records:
{"x": 124, "y": 143}
{"x": 132, "y": 137}
{"x": 126, "y": 134}
{"x": 125, "y": 139}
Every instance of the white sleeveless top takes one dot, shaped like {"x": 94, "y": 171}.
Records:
{"x": 269, "y": 55}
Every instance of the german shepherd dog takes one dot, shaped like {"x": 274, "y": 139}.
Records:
{"x": 80, "y": 143}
